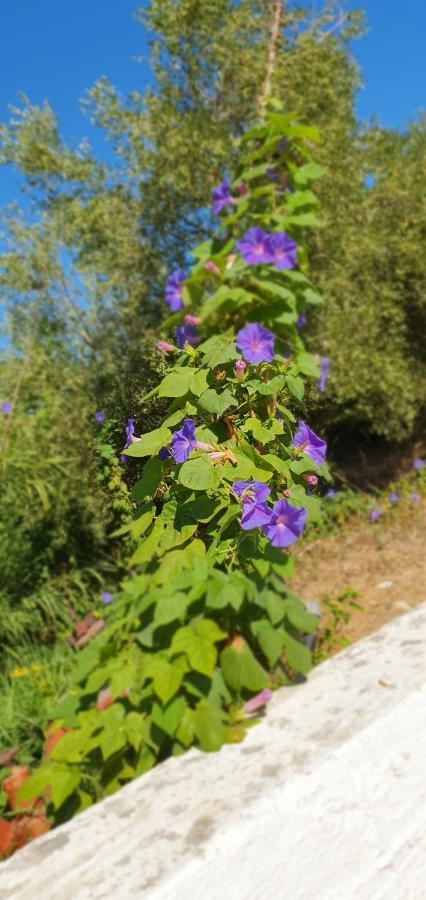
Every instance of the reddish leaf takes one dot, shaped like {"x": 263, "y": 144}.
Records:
{"x": 10, "y": 785}
{"x": 104, "y": 699}
{"x": 52, "y": 738}
{"x": 6, "y": 838}
{"x": 36, "y": 826}
{"x": 7, "y": 756}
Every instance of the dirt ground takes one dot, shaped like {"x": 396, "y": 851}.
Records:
{"x": 385, "y": 562}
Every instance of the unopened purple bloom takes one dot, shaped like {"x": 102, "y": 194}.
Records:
{"x": 129, "y": 432}
{"x": 308, "y": 442}
{"x": 310, "y": 479}
{"x": 415, "y": 497}
{"x": 301, "y": 321}
{"x": 164, "y": 347}
{"x": 418, "y": 464}
{"x": 286, "y": 524}
{"x": 254, "y": 247}
{"x": 255, "y": 343}
{"x": 7, "y": 408}
{"x": 184, "y": 441}
{"x": 239, "y": 368}
{"x": 192, "y": 320}
{"x": 164, "y": 453}
{"x": 221, "y": 196}
{"x": 375, "y": 515}
{"x": 282, "y": 250}
{"x": 100, "y": 417}
{"x": 324, "y": 366}
{"x": 186, "y": 334}
{"x": 211, "y": 267}
{"x": 106, "y": 597}
{"x": 331, "y": 493}
{"x": 393, "y": 497}
{"x": 255, "y": 511}
{"x": 258, "y": 701}
{"x": 174, "y": 290}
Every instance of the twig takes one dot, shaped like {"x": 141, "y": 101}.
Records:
{"x": 276, "y": 10}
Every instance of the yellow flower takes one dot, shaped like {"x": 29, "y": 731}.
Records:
{"x": 19, "y": 672}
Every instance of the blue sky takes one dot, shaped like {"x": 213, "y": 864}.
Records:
{"x": 55, "y": 51}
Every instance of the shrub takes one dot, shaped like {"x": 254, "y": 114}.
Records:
{"x": 204, "y": 625}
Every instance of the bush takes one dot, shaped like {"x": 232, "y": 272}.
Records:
{"x": 204, "y": 620}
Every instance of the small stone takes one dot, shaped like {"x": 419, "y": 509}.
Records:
{"x": 384, "y": 585}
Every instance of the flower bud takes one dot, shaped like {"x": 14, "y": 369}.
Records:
{"x": 230, "y": 261}
{"x": 164, "y": 347}
{"x": 211, "y": 267}
{"x": 310, "y": 479}
{"x": 239, "y": 368}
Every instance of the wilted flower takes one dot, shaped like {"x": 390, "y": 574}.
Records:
{"x": 254, "y": 247}
{"x": 415, "y": 497}
{"x": 310, "y": 479}
{"x": 418, "y": 464}
{"x": 7, "y": 408}
{"x": 255, "y": 511}
{"x": 308, "y": 442}
{"x": 374, "y": 515}
{"x": 164, "y": 453}
{"x": 239, "y": 368}
{"x": 174, "y": 290}
{"x": 286, "y": 524}
{"x": 165, "y": 347}
{"x": 100, "y": 417}
{"x": 255, "y": 343}
{"x": 393, "y": 497}
{"x": 186, "y": 334}
{"x": 106, "y": 597}
{"x": 282, "y": 250}
{"x": 221, "y": 196}
{"x": 324, "y": 366}
{"x": 230, "y": 260}
{"x": 258, "y": 701}
{"x": 211, "y": 267}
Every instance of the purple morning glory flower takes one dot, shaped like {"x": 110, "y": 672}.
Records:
{"x": 255, "y": 511}
{"x": 254, "y": 247}
{"x": 324, "y": 366}
{"x": 174, "y": 290}
{"x": 184, "y": 441}
{"x": 106, "y": 597}
{"x": 286, "y": 524}
{"x": 7, "y": 408}
{"x": 415, "y": 497}
{"x": 186, "y": 334}
{"x": 308, "y": 442}
{"x": 100, "y": 417}
{"x": 282, "y": 250}
{"x": 374, "y": 515}
{"x": 255, "y": 343}
{"x": 418, "y": 464}
{"x": 393, "y": 497}
{"x": 301, "y": 321}
{"x": 221, "y": 196}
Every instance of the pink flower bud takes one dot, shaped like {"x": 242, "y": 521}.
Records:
{"x": 192, "y": 320}
{"x": 201, "y": 446}
{"x": 258, "y": 701}
{"x": 211, "y": 267}
{"x": 164, "y": 347}
{"x": 242, "y": 188}
{"x": 286, "y": 493}
{"x": 230, "y": 261}
{"x": 310, "y": 479}
{"x": 240, "y": 367}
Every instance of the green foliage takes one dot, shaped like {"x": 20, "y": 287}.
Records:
{"x": 204, "y": 619}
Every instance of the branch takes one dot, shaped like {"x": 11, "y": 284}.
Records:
{"x": 272, "y": 53}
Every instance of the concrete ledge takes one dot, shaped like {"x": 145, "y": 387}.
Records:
{"x": 324, "y": 800}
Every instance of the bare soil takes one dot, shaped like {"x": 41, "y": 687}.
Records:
{"x": 385, "y": 562}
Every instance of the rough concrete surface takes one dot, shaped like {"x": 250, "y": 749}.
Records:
{"x": 324, "y": 800}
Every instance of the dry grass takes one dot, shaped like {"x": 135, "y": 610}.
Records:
{"x": 384, "y": 562}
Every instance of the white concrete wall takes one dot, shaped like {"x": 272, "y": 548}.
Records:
{"x": 324, "y": 800}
